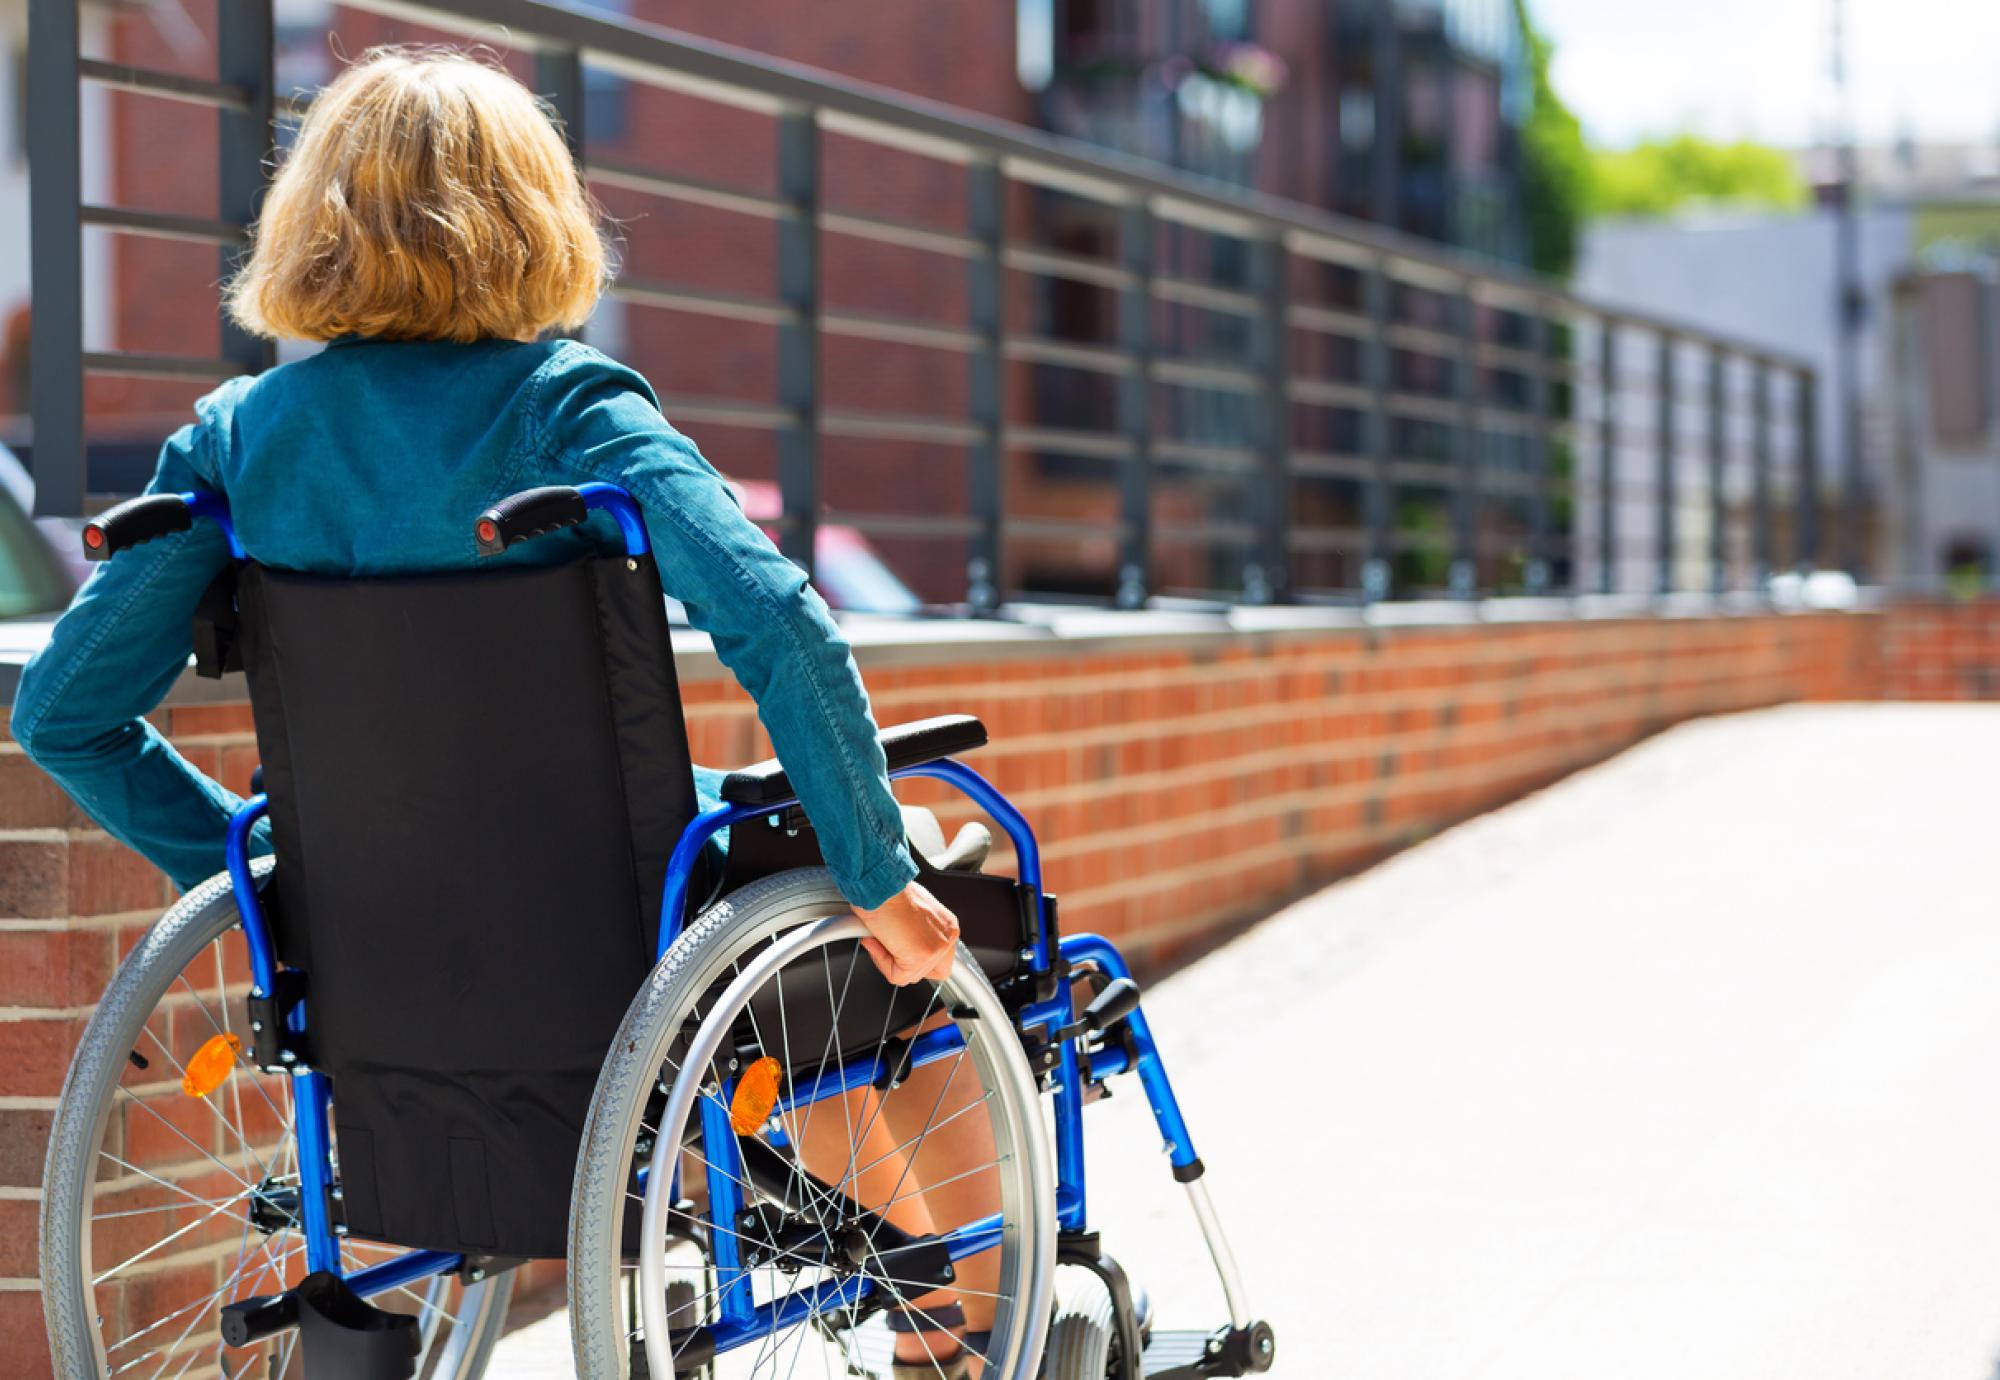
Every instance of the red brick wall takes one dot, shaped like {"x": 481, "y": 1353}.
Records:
{"x": 1179, "y": 785}
{"x": 1943, "y": 651}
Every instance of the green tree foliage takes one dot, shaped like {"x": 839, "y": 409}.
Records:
{"x": 1555, "y": 165}
{"x": 1659, "y": 176}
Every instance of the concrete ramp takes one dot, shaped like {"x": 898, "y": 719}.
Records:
{"x": 1687, "y": 1067}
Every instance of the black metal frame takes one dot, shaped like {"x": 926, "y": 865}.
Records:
{"x": 1146, "y": 198}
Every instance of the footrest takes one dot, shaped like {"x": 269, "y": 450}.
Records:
{"x": 1226, "y": 1351}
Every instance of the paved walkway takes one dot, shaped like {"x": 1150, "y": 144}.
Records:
{"x": 1688, "y": 1067}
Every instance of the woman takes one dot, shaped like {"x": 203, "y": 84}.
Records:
{"x": 431, "y": 226}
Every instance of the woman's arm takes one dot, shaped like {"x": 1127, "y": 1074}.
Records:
{"x": 770, "y": 628}
{"x": 111, "y": 658}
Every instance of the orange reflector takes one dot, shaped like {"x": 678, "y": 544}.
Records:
{"x": 210, "y": 1067}
{"x": 756, "y": 1095}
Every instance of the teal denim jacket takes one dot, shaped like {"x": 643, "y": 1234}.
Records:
{"x": 373, "y": 457}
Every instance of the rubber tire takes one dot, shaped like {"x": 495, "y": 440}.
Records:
{"x": 597, "y": 1195}
{"x": 1080, "y": 1338}
{"x": 175, "y": 939}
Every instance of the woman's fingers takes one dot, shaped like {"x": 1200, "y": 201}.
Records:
{"x": 911, "y": 937}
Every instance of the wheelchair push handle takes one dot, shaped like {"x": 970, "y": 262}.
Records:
{"x": 135, "y": 522}
{"x": 535, "y": 513}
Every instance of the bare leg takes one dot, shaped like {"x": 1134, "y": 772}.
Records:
{"x": 852, "y": 1141}
{"x": 949, "y": 1154}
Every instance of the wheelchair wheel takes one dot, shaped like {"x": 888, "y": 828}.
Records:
{"x": 1084, "y": 1333}
{"x": 160, "y": 1203}
{"x": 802, "y": 1214}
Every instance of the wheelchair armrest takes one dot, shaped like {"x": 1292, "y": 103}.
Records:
{"x": 905, "y": 745}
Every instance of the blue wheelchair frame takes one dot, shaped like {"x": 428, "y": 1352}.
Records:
{"x": 741, "y": 1319}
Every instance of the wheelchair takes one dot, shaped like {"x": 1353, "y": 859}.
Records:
{"x": 496, "y": 996}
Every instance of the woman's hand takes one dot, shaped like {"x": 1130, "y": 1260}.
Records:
{"x": 910, "y": 936}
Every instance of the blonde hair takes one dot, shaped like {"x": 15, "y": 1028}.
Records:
{"x": 429, "y": 196}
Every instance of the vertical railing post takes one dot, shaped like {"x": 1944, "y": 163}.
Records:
{"x": 1541, "y": 398}
{"x": 1663, "y": 475}
{"x": 1807, "y": 556}
{"x": 559, "y": 81}
{"x": 1267, "y": 572}
{"x": 1760, "y": 474}
{"x": 798, "y": 334}
{"x": 1718, "y": 454}
{"x": 55, "y": 230}
{"x": 1607, "y": 455}
{"x": 1466, "y": 437}
{"x": 985, "y": 196}
{"x": 1135, "y": 404}
{"x": 244, "y": 39}
{"x": 1377, "y": 573}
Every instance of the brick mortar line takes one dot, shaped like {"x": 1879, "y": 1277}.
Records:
{"x": 14, "y": 1015}
{"x": 1363, "y": 702}
{"x": 73, "y": 923}
{"x": 1342, "y": 793}
{"x": 1283, "y": 849}
{"x": 1371, "y": 746}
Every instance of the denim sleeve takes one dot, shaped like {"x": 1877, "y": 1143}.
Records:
{"x": 772, "y": 630}
{"x": 112, "y": 657}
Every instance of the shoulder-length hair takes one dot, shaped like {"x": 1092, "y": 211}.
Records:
{"x": 428, "y": 196}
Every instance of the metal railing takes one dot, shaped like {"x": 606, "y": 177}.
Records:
{"x": 1376, "y": 416}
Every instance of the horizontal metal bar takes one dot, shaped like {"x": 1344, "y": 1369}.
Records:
{"x": 903, "y": 236}
{"x": 893, "y": 134}
{"x": 897, "y": 330}
{"x": 1207, "y": 213}
{"x": 1196, "y": 373}
{"x": 728, "y": 305}
{"x": 1052, "y": 263}
{"x": 146, "y": 366}
{"x": 1437, "y": 474}
{"x": 1060, "y": 529}
{"x": 901, "y": 524}
{"x": 1330, "y": 465}
{"x": 1421, "y": 541}
{"x": 714, "y": 411}
{"x": 1228, "y": 533}
{"x": 1430, "y": 409}
{"x": 1065, "y": 441}
{"x": 1329, "y": 393}
{"x": 1092, "y": 186}
{"x": 1211, "y": 456}
{"x": 1210, "y": 298}
{"x": 891, "y": 426}
{"x": 1424, "y": 338}
{"x": 161, "y": 225}
{"x": 1328, "y": 320}
{"x": 146, "y": 81}
{"x": 692, "y": 190}
{"x": 1103, "y": 359}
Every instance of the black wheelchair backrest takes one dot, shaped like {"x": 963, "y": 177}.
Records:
{"x": 475, "y": 783}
